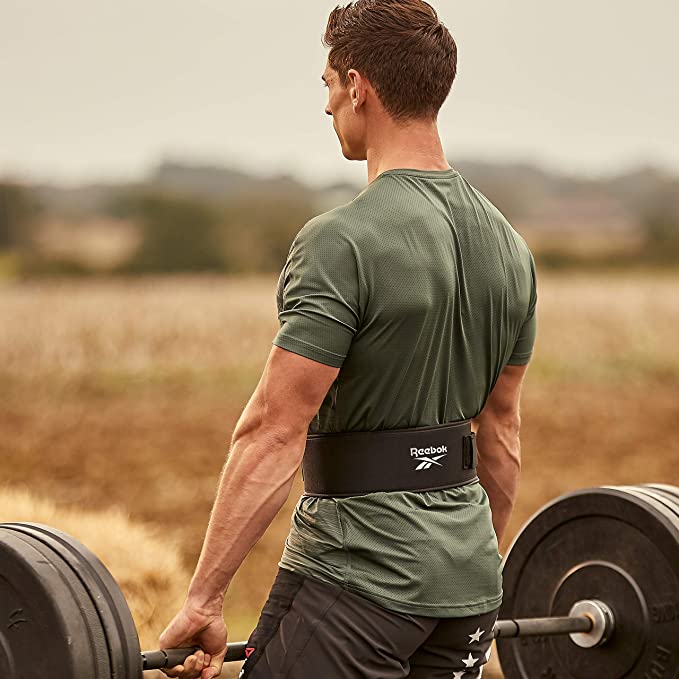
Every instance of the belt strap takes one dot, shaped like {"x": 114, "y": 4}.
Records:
{"x": 416, "y": 459}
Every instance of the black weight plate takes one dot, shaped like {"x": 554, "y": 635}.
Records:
{"x": 47, "y": 627}
{"x": 121, "y": 635}
{"x": 610, "y": 544}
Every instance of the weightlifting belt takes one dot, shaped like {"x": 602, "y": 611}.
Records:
{"x": 417, "y": 459}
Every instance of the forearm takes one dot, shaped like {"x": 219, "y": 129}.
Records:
{"x": 499, "y": 466}
{"x": 254, "y": 485}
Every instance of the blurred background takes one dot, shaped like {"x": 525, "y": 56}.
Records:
{"x": 156, "y": 160}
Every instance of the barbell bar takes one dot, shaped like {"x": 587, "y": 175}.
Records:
{"x": 591, "y": 590}
{"x": 590, "y": 622}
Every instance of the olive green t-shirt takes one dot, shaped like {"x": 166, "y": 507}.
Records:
{"x": 420, "y": 291}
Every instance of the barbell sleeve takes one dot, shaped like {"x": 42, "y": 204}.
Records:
{"x": 531, "y": 627}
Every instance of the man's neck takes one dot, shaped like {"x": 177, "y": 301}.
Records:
{"x": 414, "y": 145}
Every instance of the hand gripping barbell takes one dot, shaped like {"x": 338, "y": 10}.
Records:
{"x": 591, "y": 591}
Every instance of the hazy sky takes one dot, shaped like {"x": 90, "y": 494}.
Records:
{"x": 104, "y": 88}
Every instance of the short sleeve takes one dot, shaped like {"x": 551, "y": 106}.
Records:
{"x": 523, "y": 348}
{"x": 319, "y": 295}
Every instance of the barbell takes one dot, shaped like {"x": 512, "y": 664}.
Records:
{"x": 591, "y": 591}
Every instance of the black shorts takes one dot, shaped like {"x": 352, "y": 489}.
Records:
{"x": 310, "y": 629}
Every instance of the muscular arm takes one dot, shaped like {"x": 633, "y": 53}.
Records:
{"x": 497, "y": 437}
{"x": 266, "y": 451}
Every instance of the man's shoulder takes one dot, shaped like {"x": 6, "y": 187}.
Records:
{"x": 334, "y": 227}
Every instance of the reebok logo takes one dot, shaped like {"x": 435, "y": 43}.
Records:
{"x": 431, "y": 450}
{"x": 426, "y": 457}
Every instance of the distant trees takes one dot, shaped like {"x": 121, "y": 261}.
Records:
{"x": 259, "y": 229}
{"x": 18, "y": 210}
{"x": 251, "y": 232}
{"x": 177, "y": 234}
{"x": 660, "y": 223}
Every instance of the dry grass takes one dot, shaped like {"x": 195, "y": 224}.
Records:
{"x": 155, "y": 328}
{"x": 610, "y": 328}
{"x": 124, "y": 394}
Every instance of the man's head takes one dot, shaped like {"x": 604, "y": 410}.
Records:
{"x": 388, "y": 58}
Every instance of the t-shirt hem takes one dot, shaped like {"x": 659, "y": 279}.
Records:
{"x": 400, "y": 606}
{"x": 520, "y": 359}
{"x": 302, "y": 348}
{"x": 432, "y": 610}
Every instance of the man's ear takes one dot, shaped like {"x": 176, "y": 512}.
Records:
{"x": 357, "y": 89}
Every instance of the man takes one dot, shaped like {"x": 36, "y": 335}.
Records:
{"x": 410, "y": 311}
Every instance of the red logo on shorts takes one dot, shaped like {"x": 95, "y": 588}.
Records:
{"x": 249, "y": 651}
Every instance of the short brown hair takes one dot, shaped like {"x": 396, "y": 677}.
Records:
{"x": 401, "y": 47}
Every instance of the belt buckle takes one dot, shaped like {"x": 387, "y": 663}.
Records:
{"x": 469, "y": 451}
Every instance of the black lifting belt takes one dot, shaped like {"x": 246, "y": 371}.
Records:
{"x": 359, "y": 462}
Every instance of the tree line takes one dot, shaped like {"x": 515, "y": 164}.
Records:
{"x": 251, "y": 230}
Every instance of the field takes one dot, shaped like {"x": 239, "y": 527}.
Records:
{"x": 123, "y": 394}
